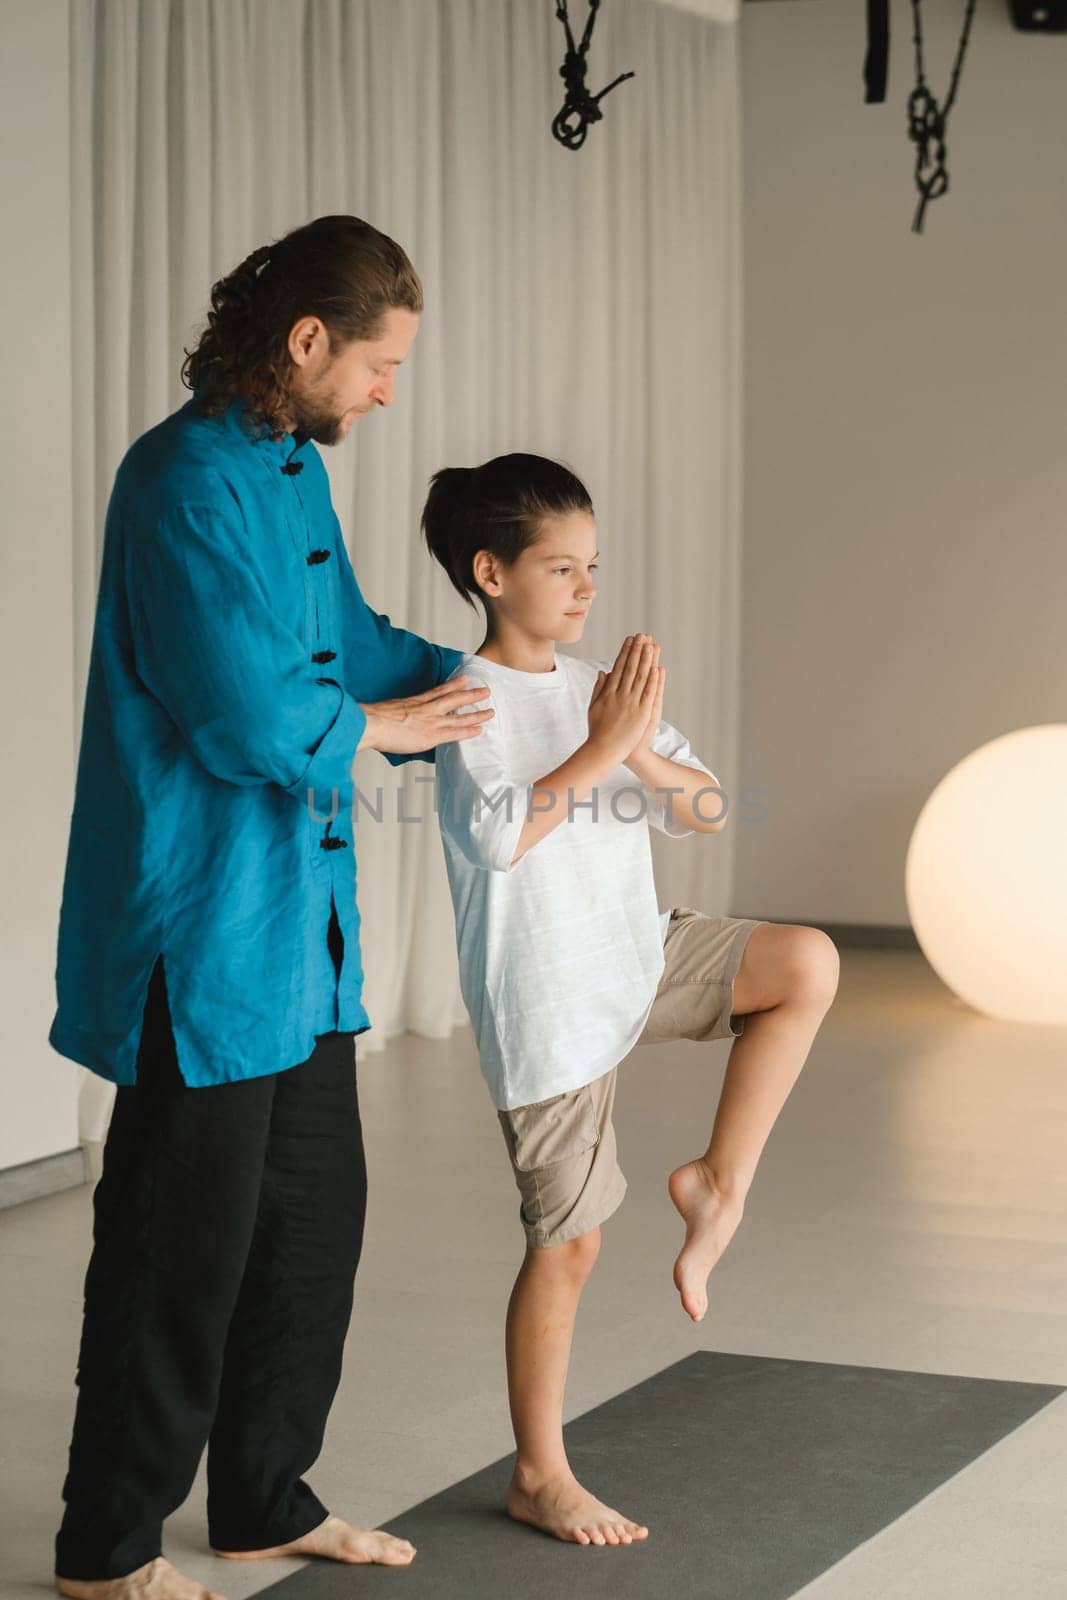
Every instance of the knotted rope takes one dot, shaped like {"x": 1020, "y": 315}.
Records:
{"x": 579, "y": 108}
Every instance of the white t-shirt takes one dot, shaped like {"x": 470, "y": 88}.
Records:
{"x": 560, "y": 955}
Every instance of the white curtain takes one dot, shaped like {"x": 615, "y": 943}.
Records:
{"x": 585, "y": 305}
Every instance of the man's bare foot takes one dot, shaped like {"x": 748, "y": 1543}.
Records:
{"x": 157, "y": 1580}
{"x": 711, "y": 1219}
{"x": 560, "y": 1506}
{"x": 335, "y": 1540}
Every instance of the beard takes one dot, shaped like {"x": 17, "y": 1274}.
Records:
{"x": 317, "y": 417}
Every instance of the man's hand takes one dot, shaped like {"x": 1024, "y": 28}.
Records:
{"x": 423, "y": 721}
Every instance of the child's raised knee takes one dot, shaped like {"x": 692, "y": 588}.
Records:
{"x": 574, "y": 1257}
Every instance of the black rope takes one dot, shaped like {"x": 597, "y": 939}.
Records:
{"x": 579, "y": 108}
{"x": 928, "y": 121}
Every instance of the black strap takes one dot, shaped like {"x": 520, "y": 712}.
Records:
{"x": 876, "y": 66}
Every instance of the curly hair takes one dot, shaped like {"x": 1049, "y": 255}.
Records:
{"x": 339, "y": 269}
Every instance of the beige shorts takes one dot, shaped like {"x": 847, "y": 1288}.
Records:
{"x": 563, "y": 1149}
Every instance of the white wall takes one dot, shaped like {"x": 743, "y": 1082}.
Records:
{"x": 905, "y": 566}
{"x": 40, "y": 1089}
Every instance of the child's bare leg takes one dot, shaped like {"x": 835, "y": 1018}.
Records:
{"x": 801, "y": 965}
{"x": 543, "y": 1490}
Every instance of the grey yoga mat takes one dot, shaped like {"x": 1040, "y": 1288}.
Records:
{"x": 753, "y": 1474}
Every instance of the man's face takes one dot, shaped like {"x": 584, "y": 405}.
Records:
{"x": 330, "y": 388}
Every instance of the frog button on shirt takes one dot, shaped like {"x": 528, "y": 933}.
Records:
{"x": 216, "y": 757}
{"x": 291, "y": 468}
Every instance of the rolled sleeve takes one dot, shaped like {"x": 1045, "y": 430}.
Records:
{"x": 237, "y": 682}
{"x": 331, "y": 766}
{"x": 384, "y": 662}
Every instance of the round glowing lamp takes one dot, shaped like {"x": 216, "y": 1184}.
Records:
{"x": 986, "y": 877}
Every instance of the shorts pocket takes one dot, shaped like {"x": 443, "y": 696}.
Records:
{"x": 552, "y": 1130}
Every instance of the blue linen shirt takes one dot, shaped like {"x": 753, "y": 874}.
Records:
{"x": 231, "y": 646}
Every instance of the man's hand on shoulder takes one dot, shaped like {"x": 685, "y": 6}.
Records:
{"x": 423, "y": 721}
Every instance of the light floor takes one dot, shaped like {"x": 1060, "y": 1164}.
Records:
{"x": 910, "y": 1211}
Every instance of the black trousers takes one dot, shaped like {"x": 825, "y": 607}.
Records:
{"x": 228, "y": 1225}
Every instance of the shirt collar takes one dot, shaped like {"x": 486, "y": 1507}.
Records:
{"x": 235, "y": 421}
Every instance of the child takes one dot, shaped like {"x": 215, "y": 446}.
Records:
{"x": 565, "y": 961}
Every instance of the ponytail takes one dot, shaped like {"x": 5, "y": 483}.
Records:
{"x": 449, "y": 501}
{"x": 235, "y": 324}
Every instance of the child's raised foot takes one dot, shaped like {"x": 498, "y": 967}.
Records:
{"x": 711, "y": 1219}
{"x": 560, "y": 1506}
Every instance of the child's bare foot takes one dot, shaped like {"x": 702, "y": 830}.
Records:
{"x": 560, "y": 1506}
{"x": 156, "y": 1580}
{"x": 335, "y": 1540}
{"x": 711, "y": 1219}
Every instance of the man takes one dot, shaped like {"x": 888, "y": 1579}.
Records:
{"x": 208, "y": 954}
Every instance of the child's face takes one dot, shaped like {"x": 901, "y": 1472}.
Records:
{"x": 548, "y": 591}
